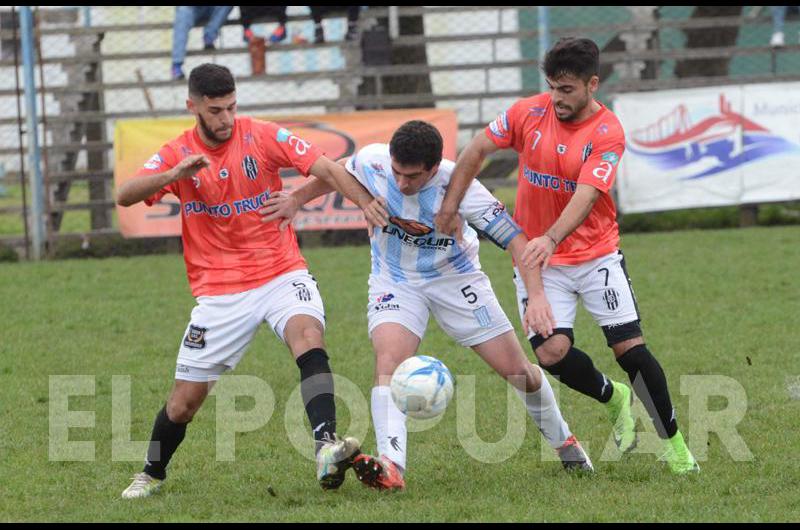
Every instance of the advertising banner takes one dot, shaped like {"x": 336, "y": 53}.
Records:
{"x": 339, "y": 135}
{"x": 706, "y": 147}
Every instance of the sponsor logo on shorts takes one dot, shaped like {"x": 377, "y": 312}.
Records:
{"x": 384, "y": 303}
{"x": 482, "y": 316}
{"x": 395, "y": 443}
{"x": 611, "y": 298}
{"x": 250, "y": 167}
{"x": 195, "y": 338}
{"x": 182, "y": 369}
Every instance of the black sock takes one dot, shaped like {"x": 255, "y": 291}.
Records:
{"x": 577, "y": 371}
{"x": 316, "y": 386}
{"x": 164, "y": 441}
{"x": 650, "y": 386}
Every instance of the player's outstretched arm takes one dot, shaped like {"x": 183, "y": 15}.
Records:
{"x": 539, "y": 251}
{"x": 336, "y": 176}
{"x": 538, "y": 313}
{"x": 467, "y": 166}
{"x": 140, "y": 188}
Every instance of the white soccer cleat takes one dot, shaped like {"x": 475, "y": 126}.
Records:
{"x": 143, "y": 485}
{"x": 334, "y": 459}
{"x": 777, "y": 40}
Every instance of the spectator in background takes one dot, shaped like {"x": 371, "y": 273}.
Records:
{"x": 317, "y": 12}
{"x": 778, "y": 18}
{"x": 186, "y": 17}
{"x": 251, "y": 13}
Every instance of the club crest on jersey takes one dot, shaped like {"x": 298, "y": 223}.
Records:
{"x": 250, "y": 167}
{"x": 223, "y": 173}
{"x": 603, "y": 129}
{"x": 587, "y": 152}
{"x": 414, "y": 228}
{"x": 537, "y": 112}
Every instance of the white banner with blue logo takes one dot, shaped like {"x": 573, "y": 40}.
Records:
{"x": 706, "y": 147}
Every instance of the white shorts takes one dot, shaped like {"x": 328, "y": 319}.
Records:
{"x": 602, "y": 285}
{"x": 464, "y": 305}
{"x": 223, "y": 326}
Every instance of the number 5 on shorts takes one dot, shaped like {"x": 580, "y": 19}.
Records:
{"x": 469, "y": 295}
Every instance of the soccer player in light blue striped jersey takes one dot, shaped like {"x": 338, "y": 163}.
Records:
{"x": 417, "y": 271}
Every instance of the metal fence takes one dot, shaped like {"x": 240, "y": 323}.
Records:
{"x": 97, "y": 64}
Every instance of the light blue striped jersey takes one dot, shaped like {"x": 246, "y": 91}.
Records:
{"x": 410, "y": 249}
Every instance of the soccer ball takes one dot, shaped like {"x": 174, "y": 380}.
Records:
{"x": 422, "y": 387}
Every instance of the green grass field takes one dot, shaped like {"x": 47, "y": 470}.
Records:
{"x": 719, "y": 303}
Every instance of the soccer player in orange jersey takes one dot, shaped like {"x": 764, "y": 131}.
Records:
{"x": 241, "y": 271}
{"x": 569, "y": 147}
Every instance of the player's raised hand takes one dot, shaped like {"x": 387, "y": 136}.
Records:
{"x": 538, "y": 252}
{"x": 449, "y": 223}
{"x": 190, "y": 166}
{"x": 280, "y": 205}
{"x": 539, "y": 316}
{"x": 376, "y": 214}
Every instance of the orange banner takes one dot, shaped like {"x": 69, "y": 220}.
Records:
{"x": 339, "y": 135}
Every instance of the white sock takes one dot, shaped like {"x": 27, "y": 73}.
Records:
{"x": 390, "y": 426}
{"x": 544, "y": 411}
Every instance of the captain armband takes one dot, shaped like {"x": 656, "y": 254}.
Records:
{"x": 501, "y": 228}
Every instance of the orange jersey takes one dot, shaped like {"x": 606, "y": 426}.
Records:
{"x": 554, "y": 157}
{"x": 226, "y": 247}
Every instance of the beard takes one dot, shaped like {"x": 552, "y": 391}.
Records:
{"x": 575, "y": 111}
{"x": 210, "y": 134}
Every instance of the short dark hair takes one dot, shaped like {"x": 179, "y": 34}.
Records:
{"x": 211, "y": 80}
{"x": 417, "y": 142}
{"x": 572, "y": 56}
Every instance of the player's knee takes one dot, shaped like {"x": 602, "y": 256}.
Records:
{"x": 304, "y": 335}
{"x": 386, "y": 362}
{"x": 553, "y": 349}
{"x": 533, "y": 378}
{"x": 182, "y": 411}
